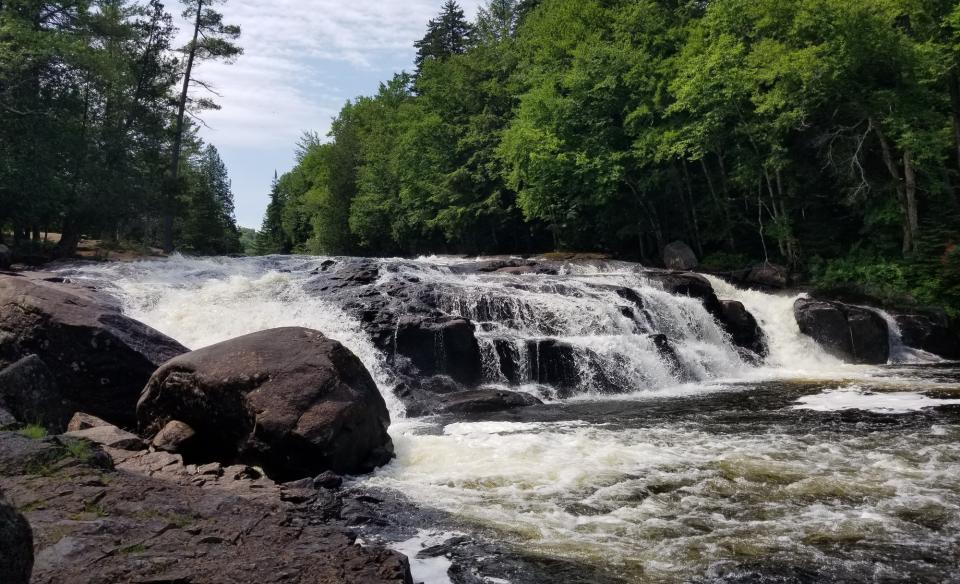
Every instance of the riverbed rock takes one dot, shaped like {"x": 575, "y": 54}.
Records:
{"x": 16, "y": 545}
{"x": 743, "y": 327}
{"x": 174, "y": 437}
{"x": 29, "y": 391}
{"x": 288, "y": 400}
{"x": 487, "y": 400}
{"x": 929, "y": 334}
{"x": 767, "y": 277}
{"x": 84, "y": 421}
{"x": 99, "y": 358}
{"x": 852, "y": 333}
{"x": 679, "y": 256}
{"x": 692, "y": 285}
{"x": 109, "y": 436}
{"x": 444, "y": 346}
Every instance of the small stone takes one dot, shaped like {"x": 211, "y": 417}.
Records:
{"x": 173, "y": 437}
{"x": 214, "y": 468}
{"x": 82, "y": 421}
{"x": 109, "y": 436}
{"x": 328, "y": 480}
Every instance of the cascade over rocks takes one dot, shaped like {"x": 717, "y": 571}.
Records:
{"x": 289, "y": 400}
{"x": 442, "y": 346}
{"x": 99, "y": 358}
{"x": 929, "y": 334}
{"x": 16, "y": 545}
{"x": 852, "y": 333}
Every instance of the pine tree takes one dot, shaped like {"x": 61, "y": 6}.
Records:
{"x": 448, "y": 34}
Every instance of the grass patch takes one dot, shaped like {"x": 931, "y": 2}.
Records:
{"x": 137, "y": 548}
{"x": 79, "y": 449}
{"x": 33, "y": 431}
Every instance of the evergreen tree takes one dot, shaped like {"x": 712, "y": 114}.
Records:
{"x": 448, "y": 34}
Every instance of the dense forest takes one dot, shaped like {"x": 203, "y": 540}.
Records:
{"x": 823, "y": 135}
{"x": 98, "y": 127}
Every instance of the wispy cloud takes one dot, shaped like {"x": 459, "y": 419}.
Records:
{"x": 302, "y": 60}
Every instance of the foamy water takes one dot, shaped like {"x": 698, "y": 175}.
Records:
{"x": 652, "y": 500}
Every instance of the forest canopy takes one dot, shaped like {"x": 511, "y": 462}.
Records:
{"x": 820, "y": 134}
{"x": 98, "y": 126}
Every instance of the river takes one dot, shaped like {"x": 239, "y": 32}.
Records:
{"x": 799, "y": 468}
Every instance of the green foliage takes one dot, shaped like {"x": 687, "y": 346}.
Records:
{"x": 87, "y": 120}
{"x": 33, "y": 431}
{"x": 755, "y": 130}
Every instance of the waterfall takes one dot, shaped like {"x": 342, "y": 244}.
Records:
{"x": 900, "y": 353}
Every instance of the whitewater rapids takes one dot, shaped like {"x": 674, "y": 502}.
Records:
{"x": 746, "y": 467}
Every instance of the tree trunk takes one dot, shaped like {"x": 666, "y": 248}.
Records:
{"x": 721, "y": 206}
{"x": 954, "y": 82}
{"x": 910, "y": 192}
{"x": 691, "y": 204}
{"x": 173, "y": 188}
{"x": 894, "y": 170}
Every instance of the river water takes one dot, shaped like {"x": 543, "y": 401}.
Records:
{"x": 797, "y": 469}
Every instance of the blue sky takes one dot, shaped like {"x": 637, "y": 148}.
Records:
{"x": 303, "y": 59}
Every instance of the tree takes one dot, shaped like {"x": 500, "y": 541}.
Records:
{"x": 448, "y": 34}
{"x": 212, "y": 39}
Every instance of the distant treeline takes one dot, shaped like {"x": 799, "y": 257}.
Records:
{"x": 821, "y": 134}
{"x": 95, "y": 131}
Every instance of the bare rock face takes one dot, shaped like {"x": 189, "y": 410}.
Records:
{"x": 288, "y": 400}
{"x": 16, "y": 545}
{"x": 109, "y": 436}
{"x": 174, "y": 437}
{"x": 82, "y": 421}
{"x": 30, "y": 393}
{"x": 99, "y": 358}
{"x": 852, "y": 333}
{"x": 929, "y": 334}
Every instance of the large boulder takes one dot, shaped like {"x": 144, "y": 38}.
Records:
{"x": 289, "y": 400}
{"x": 767, "y": 276}
{"x": 742, "y": 327}
{"x": 929, "y": 334}
{"x": 30, "y": 393}
{"x": 852, "y": 333}
{"x": 679, "y": 256}
{"x": 689, "y": 284}
{"x": 16, "y": 545}
{"x": 99, "y": 358}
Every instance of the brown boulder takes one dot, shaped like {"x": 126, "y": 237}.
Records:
{"x": 289, "y": 400}
{"x": 99, "y": 358}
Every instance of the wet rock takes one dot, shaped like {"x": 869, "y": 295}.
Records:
{"x": 109, "y": 436}
{"x": 743, "y": 327}
{"x": 692, "y": 285}
{"x": 327, "y": 480}
{"x": 553, "y": 362}
{"x": 445, "y": 346}
{"x": 174, "y": 437}
{"x": 82, "y": 421}
{"x": 16, "y": 545}
{"x": 767, "y": 277}
{"x": 30, "y": 392}
{"x": 99, "y": 358}
{"x": 669, "y": 354}
{"x": 679, "y": 256}
{"x": 852, "y": 333}
{"x": 289, "y": 400}
{"x": 487, "y": 400}
{"x": 929, "y": 334}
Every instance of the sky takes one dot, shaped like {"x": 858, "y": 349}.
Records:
{"x": 303, "y": 59}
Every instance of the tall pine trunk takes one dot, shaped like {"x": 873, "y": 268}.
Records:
{"x": 173, "y": 188}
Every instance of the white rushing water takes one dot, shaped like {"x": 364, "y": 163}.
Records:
{"x": 654, "y": 500}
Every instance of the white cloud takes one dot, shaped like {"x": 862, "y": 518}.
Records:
{"x": 302, "y": 60}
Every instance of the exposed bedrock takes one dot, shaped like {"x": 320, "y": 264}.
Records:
{"x": 289, "y": 400}
{"x": 16, "y": 545}
{"x": 99, "y": 359}
{"x": 852, "y": 333}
